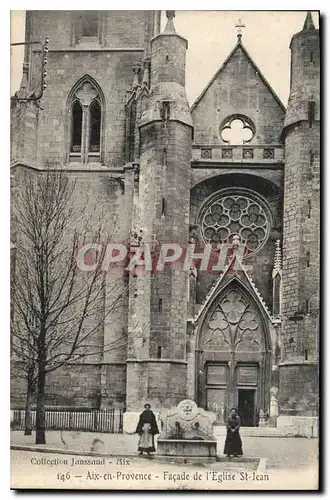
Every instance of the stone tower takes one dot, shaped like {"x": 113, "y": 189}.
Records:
{"x": 301, "y": 243}
{"x": 79, "y": 126}
{"x": 159, "y": 298}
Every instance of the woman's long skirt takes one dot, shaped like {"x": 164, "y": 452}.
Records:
{"x": 146, "y": 441}
{"x": 233, "y": 443}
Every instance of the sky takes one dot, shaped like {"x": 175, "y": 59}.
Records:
{"x": 211, "y": 36}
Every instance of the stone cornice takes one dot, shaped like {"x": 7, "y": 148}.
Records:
{"x": 94, "y": 49}
{"x": 158, "y": 360}
{"x": 70, "y": 169}
{"x": 200, "y": 164}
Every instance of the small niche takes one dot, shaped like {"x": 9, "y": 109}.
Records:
{"x": 163, "y": 206}
{"x": 311, "y": 113}
{"x": 166, "y": 110}
{"x": 306, "y": 306}
{"x": 164, "y": 157}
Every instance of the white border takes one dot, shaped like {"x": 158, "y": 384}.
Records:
{"x": 323, "y": 5}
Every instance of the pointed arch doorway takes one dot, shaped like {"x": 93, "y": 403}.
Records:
{"x": 233, "y": 356}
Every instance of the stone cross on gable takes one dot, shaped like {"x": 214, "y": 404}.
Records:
{"x": 239, "y": 27}
{"x": 86, "y": 93}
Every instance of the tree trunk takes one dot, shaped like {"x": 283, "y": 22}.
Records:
{"x": 28, "y": 417}
{"x": 40, "y": 414}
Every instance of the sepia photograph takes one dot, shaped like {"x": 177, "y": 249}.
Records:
{"x": 164, "y": 250}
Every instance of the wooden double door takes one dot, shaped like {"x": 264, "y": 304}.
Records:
{"x": 226, "y": 386}
{"x": 233, "y": 355}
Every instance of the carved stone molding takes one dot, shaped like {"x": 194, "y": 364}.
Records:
{"x": 234, "y": 323}
{"x": 248, "y": 154}
{"x": 206, "y": 154}
{"x": 269, "y": 154}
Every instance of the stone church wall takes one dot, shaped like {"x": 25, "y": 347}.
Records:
{"x": 109, "y": 62}
{"x": 59, "y": 27}
{"x": 104, "y": 373}
{"x": 113, "y": 72}
{"x": 304, "y": 399}
{"x": 227, "y": 96}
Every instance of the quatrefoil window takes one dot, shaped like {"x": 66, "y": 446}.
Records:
{"x": 237, "y": 130}
{"x": 236, "y": 213}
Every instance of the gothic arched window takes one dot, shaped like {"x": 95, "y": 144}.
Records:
{"x": 77, "y": 116}
{"x": 86, "y": 105}
{"x": 95, "y": 126}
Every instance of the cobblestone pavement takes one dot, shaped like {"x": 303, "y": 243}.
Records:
{"x": 48, "y": 470}
{"x": 283, "y": 453}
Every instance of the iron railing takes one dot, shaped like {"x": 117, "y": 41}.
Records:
{"x": 88, "y": 420}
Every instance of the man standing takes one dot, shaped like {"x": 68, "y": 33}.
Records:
{"x": 147, "y": 428}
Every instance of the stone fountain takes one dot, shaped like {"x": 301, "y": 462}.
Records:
{"x": 187, "y": 432}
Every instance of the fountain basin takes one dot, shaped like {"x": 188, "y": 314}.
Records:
{"x": 193, "y": 448}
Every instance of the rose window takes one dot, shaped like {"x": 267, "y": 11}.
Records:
{"x": 232, "y": 215}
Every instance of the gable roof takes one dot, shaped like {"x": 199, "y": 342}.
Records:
{"x": 217, "y": 286}
{"x": 239, "y": 45}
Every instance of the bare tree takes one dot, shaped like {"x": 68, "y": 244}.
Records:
{"x": 24, "y": 366}
{"x": 57, "y": 310}
{"x": 23, "y": 357}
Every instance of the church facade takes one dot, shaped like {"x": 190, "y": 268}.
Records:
{"x": 236, "y": 168}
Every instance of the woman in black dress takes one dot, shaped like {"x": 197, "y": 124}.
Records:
{"x": 147, "y": 428}
{"x": 233, "y": 444}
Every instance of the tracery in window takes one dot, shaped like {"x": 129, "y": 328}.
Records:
{"x": 86, "y": 105}
{"x": 236, "y": 213}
